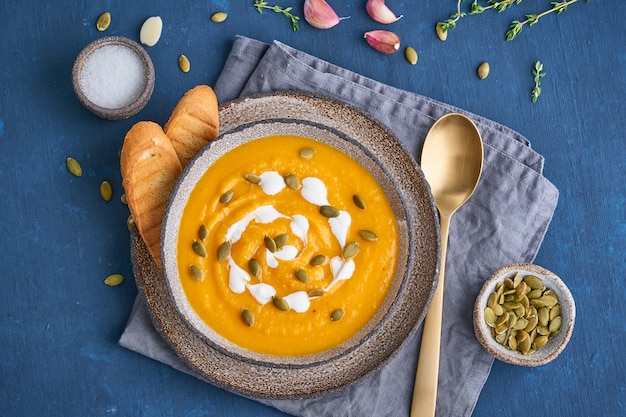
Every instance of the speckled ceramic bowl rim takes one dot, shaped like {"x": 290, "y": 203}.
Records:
{"x": 268, "y": 380}
{"x": 122, "y": 112}
{"x": 555, "y": 345}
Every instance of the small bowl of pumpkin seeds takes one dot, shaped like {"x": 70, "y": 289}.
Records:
{"x": 524, "y": 315}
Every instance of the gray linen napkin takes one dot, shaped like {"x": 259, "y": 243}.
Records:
{"x": 503, "y": 222}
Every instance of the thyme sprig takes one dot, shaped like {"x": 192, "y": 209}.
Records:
{"x": 516, "y": 26}
{"x": 285, "y": 11}
{"x": 537, "y": 74}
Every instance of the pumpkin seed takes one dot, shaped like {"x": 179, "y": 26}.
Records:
{"x": 248, "y": 317}
{"x": 255, "y": 267}
{"x": 227, "y": 196}
{"x": 329, "y": 211}
{"x": 302, "y": 275}
{"x": 555, "y": 324}
{"x": 359, "y": 202}
{"x": 223, "y": 251}
{"x": 306, "y": 153}
{"x": 123, "y": 199}
{"x": 73, "y": 166}
{"x": 368, "y": 235}
{"x": 411, "y": 55}
{"x": 336, "y": 314}
{"x": 317, "y": 260}
{"x": 183, "y": 63}
{"x": 203, "y": 232}
{"x": 114, "y": 280}
{"x": 483, "y": 70}
{"x": 219, "y": 17}
{"x": 280, "y": 303}
{"x": 533, "y": 281}
{"x": 196, "y": 273}
{"x": 316, "y": 292}
{"x": 106, "y": 191}
{"x": 103, "y": 22}
{"x": 292, "y": 182}
{"x": 252, "y": 178}
{"x": 490, "y": 317}
{"x": 199, "y": 248}
{"x": 281, "y": 240}
{"x": 540, "y": 342}
{"x": 544, "y": 316}
{"x": 351, "y": 249}
{"x": 130, "y": 222}
{"x": 441, "y": 34}
{"x": 554, "y": 312}
{"x": 269, "y": 243}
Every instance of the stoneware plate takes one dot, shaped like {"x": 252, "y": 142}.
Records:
{"x": 555, "y": 344}
{"x": 231, "y": 367}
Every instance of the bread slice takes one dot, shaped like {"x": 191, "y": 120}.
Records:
{"x": 150, "y": 168}
{"x": 194, "y": 122}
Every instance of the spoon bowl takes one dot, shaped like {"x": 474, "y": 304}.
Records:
{"x": 452, "y": 160}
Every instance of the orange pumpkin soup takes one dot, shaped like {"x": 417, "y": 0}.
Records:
{"x": 252, "y": 234}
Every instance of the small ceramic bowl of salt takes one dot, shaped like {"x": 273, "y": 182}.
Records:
{"x": 113, "y": 77}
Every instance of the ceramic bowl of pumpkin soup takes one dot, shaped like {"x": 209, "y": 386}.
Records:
{"x": 298, "y": 258}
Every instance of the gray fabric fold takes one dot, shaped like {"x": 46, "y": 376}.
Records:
{"x": 503, "y": 222}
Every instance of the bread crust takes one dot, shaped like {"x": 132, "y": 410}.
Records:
{"x": 193, "y": 123}
{"x": 149, "y": 167}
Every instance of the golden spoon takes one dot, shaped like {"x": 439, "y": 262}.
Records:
{"x": 452, "y": 160}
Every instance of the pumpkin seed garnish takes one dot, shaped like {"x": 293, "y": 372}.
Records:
{"x": 130, "y": 222}
{"x": 351, "y": 249}
{"x": 196, "y": 273}
{"x": 219, "y": 17}
{"x": 292, "y": 182}
{"x": 522, "y": 313}
{"x": 252, "y": 178}
{"x": 306, "y": 153}
{"x": 269, "y": 243}
{"x": 329, "y": 211}
{"x": 359, "y": 202}
{"x": 336, "y": 314}
{"x": 103, "y": 22}
{"x": 73, "y": 166}
{"x": 248, "y": 317}
{"x": 227, "y": 196}
{"x": 183, "y": 63}
{"x": 302, "y": 275}
{"x": 123, "y": 199}
{"x": 316, "y": 292}
{"x": 106, "y": 191}
{"x": 368, "y": 235}
{"x": 114, "y": 280}
{"x": 199, "y": 248}
{"x": 203, "y": 232}
{"x": 317, "y": 260}
{"x": 254, "y": 267}
{"x": 281, "y": 240}
{"x": 223, "y": 251}
{"x": 280, "y": 303}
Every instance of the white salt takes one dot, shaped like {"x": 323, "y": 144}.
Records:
{"x": 113, "y": 76}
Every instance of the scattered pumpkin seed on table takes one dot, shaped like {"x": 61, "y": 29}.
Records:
{"x": 103, "y": 22}
{"x": 483, "y": 70}
{"x": 114, "y": 280}
{"x": 73, "y": 166}
{"x": 183, "y": 63}
{"x": 219, "y": 17}
{"x": 411, "y": 55}
{"x": 106, "y": 191}
{"x": 441, "y": 34}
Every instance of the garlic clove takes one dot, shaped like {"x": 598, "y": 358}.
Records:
{"x": 378, "y": 10}
{"x": 320, "y": 15}
{"x": 383, "y": 41}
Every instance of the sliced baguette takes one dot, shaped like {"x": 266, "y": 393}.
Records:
{"x": 150, "y": 168}
{"x": 193, "y": 123}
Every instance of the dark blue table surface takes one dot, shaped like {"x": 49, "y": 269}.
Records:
{"x": 59, "y": 324}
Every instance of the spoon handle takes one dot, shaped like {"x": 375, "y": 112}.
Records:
{"x": 425, "y": 389}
